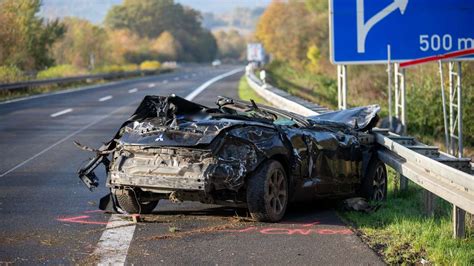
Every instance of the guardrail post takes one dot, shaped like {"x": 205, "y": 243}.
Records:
{"x": 429, "y": 202}
{"x": 403, "y": 182}
{"x": 459, "y": 222}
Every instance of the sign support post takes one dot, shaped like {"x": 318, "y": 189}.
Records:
{"x": 389, "y": 73}
{"x": 455, "y": 135}
{"x": 443, "y": 99}
{"x": 341, "y": 87}
{"x": 400, "y": 110}
{"x": 400, "y": 97}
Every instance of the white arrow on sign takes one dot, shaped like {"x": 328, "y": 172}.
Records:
{"x": 364, "y": 28}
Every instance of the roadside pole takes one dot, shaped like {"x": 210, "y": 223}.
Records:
{"x": 455, "y": 135}
{"x": 341, "y": 87}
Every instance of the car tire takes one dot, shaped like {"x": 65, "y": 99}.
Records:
{"x": 374, "y": 186}
{"x": 267, "y": 192}
{"x": 128, "y": 201}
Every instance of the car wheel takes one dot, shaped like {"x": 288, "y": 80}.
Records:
{"x": 267, "y": 192}
{"x": 375, "y": 182}
{"x": 128, "y": 201}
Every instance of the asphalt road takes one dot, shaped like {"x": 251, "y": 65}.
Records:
{"x": 48, "y": 216}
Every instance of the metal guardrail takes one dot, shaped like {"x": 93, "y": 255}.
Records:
{"x": 36, "y": 83}
{"x": 441, "y": 174}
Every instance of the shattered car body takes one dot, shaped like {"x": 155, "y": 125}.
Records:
{"x": 237, "y": 154}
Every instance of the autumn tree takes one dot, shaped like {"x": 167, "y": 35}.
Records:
{"x": 167, "y": 47}
{"x": 82, "y": 44}
{"x": 231, "y": 44}
{"x": 26, "y": 38}
{"x": 150, "y": 18}
{"x": 289, "y": 29}
{"x": 123, "y": 44}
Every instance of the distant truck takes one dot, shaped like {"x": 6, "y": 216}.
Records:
{"x": 255, "y": 53}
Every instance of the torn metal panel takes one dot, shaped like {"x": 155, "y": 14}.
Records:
{"x": 359, "y": 118}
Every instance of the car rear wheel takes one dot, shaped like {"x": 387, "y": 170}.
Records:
{"x": 267, "y": 192}
{"x": 129, "y": 201}
{"x": 374, "y": 186}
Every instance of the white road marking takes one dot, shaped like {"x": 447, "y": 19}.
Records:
{"x": 61, "y": 141}
{"x": 106, "y": 98}
{"x": 165, "y": 81}
{"x": 176, "y": 78}
{"x": 65, "y": 111}
{"x": 208, "y": 83}
{"x": 194, "y": 74}
{"x": 115, "y": 240}
{"x": 133, "y": 90}
{"x": 113, "y": 245}
{"x": 151, "y": 85}
{"x": 186, "y": 77}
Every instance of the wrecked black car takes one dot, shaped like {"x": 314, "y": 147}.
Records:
{"x": 237, "y": 154}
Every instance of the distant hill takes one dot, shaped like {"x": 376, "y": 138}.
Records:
{"x": 242, "y": 19}
{"x": 217, "y": 14}
{"x": 92, "y": 10}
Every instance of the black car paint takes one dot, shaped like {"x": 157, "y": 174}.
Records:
{"x": 322, "y": 156}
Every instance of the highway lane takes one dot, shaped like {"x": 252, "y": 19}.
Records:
{"x": 31, "y": 122}
{"x": 49, "y": 217}
{"x": 34, "y": 196}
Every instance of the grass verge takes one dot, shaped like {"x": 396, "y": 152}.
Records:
{"x": 403, "y": 235}
{"x": 246, "y": 93}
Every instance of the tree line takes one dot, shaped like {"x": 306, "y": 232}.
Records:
{"x": 133, "y": 32}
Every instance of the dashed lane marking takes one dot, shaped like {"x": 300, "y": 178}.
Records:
{"x": 133, "y": 90}
{"x": 65, "y": 111}
{"x": 106, "y": 98}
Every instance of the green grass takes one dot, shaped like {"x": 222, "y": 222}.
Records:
{"x": 403, "y": 235}
{"x": 246, "y": 93}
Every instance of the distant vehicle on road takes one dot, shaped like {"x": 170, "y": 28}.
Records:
{"x": 237, "y": 154}
{"x": 216, "y": 63}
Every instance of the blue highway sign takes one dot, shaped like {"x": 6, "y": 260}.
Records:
{"x": 361, "y": 30}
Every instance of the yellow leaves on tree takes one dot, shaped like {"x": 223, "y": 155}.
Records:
{"x": 288, "y": 30}
{"x": 122, "y": 42}
{"x": 166, "y": 46}
{"x": 314, "y": 57}
{"x": 82, "y": 44}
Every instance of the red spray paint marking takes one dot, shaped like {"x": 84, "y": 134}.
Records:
{"x": 293, "y": 231}
{"x": 80, "y": 220}
{"x": 83, "y": 219}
